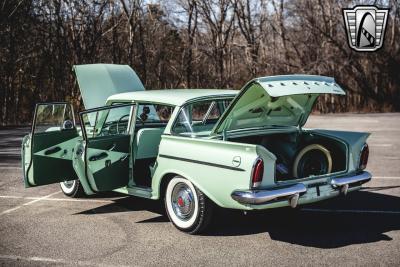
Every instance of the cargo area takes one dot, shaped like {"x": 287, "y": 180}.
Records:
{"x": 301, "y": 154}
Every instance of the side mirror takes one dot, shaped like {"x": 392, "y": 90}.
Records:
{"x": 67, "y": 125}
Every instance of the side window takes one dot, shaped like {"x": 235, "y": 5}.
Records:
{"x": 207, "y": 109}
{"x": 107, "y": 121}
{"x": 199, "y": 116}
{"x": 53, "y": 117}
{"x": 153, "y": 113}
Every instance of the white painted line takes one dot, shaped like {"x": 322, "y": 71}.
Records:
{"x": 381, "y": 145}
{"x": 59, "y": 199}
{"x": 29, "y": 203}
{"x": 79, "y": 200}
{"x": 10, "y": 167}
{"x": 352, "y": 211}
{"x": 385, "y": 177}
{"x": 55, "y": 261}
{"x": 391, "y": 158}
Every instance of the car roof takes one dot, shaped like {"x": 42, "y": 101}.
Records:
{"x": 176, "y": 97}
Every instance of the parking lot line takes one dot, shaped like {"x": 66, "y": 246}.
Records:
{"x": 59, "y": 199}
{"x": 386, "y": 177}
{"x": 52, "y": 261}
{"x": 352, "y": 211}
{"x": 10, "y": 167}
{"x": 29, "y": 203}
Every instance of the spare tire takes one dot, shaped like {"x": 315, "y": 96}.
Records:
{"x": 313, "y": 159}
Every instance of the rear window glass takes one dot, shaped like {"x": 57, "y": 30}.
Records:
{"x": 199, "y": 116}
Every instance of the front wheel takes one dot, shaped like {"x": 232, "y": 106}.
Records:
{"x": 187, "y": 207}
{"x": 72, "y": 188}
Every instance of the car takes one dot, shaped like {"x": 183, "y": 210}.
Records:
{"x": 197, "y": 149}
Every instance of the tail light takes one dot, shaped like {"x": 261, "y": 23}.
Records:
{"x": 364, "y": 157}
{"x": 258, "y": 172}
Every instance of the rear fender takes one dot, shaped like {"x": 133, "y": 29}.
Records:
{"x": 216, "y": 167}
{"x": 354, "y": 140}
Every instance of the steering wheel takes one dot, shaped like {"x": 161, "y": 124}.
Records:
{"x": 120, "y": 121}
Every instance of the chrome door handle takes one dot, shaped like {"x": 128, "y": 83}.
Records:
{"x": 112, "y": 147}
{"x": 124, "y": 157}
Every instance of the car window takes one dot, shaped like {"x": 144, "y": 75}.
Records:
{"x": 199, "y": 116}
{"x": 107, "y": 121}
{"x": 153, "y": 113}
{"x": 51, "y": 117}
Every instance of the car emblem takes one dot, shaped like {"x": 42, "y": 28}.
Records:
{"x": 236, "y": 161}
{"x": 365, "y": 27}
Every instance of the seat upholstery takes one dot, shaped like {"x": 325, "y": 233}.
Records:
{"x": 146, "y": 143}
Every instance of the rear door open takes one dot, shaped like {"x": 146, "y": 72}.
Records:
{"x": 108, "y": 133}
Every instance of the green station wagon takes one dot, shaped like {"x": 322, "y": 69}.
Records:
{"x": 194, "y": 148}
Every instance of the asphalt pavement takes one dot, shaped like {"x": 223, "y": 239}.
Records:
{"x": 41, "y": 227}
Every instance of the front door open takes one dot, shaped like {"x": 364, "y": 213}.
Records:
{"x": 107, "y": 133}
{"x": 47, "y": 150}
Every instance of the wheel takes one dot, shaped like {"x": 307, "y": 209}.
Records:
{"x": 72, "y": 188}
{"x": 313, "y": 159}
{"x": 187, "y": 207}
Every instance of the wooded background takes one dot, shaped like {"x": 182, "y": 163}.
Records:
{"x": 190, "y": 44}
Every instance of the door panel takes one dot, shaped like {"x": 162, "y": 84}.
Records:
{"x": 108, "y": 135}
{"x": 47, "y": 151}
{"x": 107, "y": 162}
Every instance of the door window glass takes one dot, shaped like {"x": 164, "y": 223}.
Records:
{"x": 53, "y": 117}
{"x": 107, "y": 121}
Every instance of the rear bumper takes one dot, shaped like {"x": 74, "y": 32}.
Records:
{"x": 292, "y": 193}
{"x": 351, "y": 180}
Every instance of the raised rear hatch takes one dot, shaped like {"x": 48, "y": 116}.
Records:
{"x": 99, "y": 81}
{"x": 285, "y": 100}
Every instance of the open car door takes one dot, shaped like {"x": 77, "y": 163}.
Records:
{"x": 47, "y": 150}
{"x": 107, "y": 133}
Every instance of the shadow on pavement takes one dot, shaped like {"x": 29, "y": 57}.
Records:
{"x": 306, "y": 228}
{"x": 126, "y": 204}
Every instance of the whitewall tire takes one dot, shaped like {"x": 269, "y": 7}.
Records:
{"x": 72, "y": 188}
{"x": 187, "y": 207}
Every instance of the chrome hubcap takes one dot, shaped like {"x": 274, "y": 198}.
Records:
{"x": 69, "y": 184}
{"x": 182, "y": 201}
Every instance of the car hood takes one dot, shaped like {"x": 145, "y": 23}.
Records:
{"x": 275, "y": 101}
{"x": 99, "y": 81}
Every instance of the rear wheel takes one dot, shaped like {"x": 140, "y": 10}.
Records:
{"x": 187, "y": 207}
{"x": 72, "y": 188}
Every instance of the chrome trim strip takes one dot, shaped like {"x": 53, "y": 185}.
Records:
{"x": 360, "y": 178}
{"x": 257, "y": 197}
{"x": 202, "y": 162}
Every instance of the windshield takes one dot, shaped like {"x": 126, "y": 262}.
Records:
{"x": 199, "y": 117}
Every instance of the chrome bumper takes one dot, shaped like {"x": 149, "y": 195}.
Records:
{"x": 256, "y": 197}
{"x": 292, "y": 193}
{"x": 344, "y": 182}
